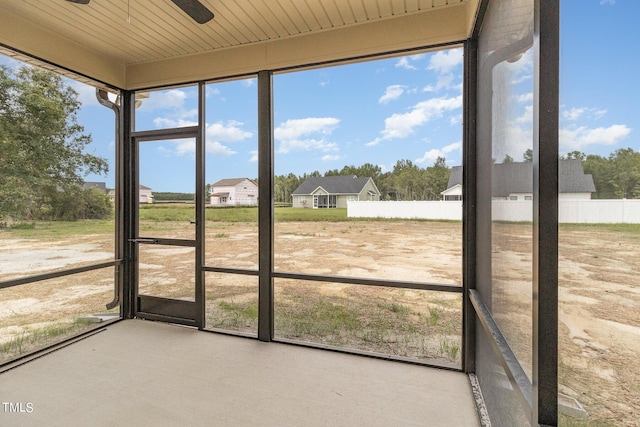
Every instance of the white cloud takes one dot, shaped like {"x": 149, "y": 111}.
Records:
{"x": 576, "y": 113}
{"x": 230, "y": 131}
{"x": 187, "y": 147}
{"x": 445, "y": 61}
{"x": 219, "y": 132}
{"x": 573, "y": 114}
{"x": 330, "y": 157}
{"x": 219, "y": 150}
{"x": 300, "y": 134}
{"x": 433, "y": 154}
{"x": 404, "y": 63}
{"x": 576, "y": 138}
{"x": 254, "y": 156}
{"x": 165, "y": 99}
{"x": 407, "y": 62}
{"x": 165, "y": 122}
{"x": 392, "y": 93}
{"x": 598, "y": 113}
{"x": 607, "y": 2}
{"x": 182, "y": 147}
{"x": 216, "y": 133}
{"x": 402, "y": 125}
{"x": 525, "y": 97}
{"x": 527, "y": 115}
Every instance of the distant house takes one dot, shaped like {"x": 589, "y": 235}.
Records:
{"x": 334, "y": 191}
{"x": 145, "y": 195}
{"x": 513, "y": 181}
{"x": 102, "y": 186}
{"x": 234, "y": 192}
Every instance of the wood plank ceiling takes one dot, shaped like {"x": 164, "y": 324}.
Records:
{"x": 130, "y": 32}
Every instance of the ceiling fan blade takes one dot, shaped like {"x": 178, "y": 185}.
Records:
{"x": 196, "y": 10}
{"x": 79, "y": 1}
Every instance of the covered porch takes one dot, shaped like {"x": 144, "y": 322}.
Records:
{"x": 169, "y": 369}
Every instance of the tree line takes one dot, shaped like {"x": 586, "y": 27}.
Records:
{"x": 407, "y": 181}
{"x": 43, "y": 159}
{"x": 616, "y": 176}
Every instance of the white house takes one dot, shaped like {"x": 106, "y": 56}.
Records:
{"x": 145, "y": 195}
{"x": 234, "y": 192}
{"x": 513, "y": 181}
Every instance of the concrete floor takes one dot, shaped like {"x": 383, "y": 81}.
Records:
{"x": 152, "y": 374}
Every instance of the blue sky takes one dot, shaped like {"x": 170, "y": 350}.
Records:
{"x": 386, "y": 110}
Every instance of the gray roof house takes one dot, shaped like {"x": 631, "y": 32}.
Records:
{"x": 513, "y": 181}
{"x": 334, "y": 191}
{"x": 102, "y": 186}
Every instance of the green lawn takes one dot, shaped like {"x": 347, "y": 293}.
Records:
{"x": 238, "y": 214}
{"x": 182, "y": 213}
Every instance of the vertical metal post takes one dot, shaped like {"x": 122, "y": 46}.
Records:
{"x": 128, "y": 212}
{"x": 200, "y": 207}
{"x": 265, "y": 205}
{"x": 469, "y": 196}
{"x": 545, "y": 214}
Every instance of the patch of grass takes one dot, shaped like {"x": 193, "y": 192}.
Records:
{"x": 220, "y": 235}
{"x": 32, "y": 339}
{"x": 247, "y": 311}
{"x": 449, "y": 348}
{"x": 55, "y": 229}
{"x": 23, "y": 226}
{"x": 434, "y": 316}
{"x": 616, "y": 228}
{"x": 233, "y": 316}
{"x": 161, "y": 213}
{"x": 235, "y": 214}
{"x": 376, "y": 323}
{"x": 316, "y": 215}
{"x": 395, "y": 307}
{"x": 319, "y": 319}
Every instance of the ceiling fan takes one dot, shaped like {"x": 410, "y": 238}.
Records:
{"x": 196, "y": 10}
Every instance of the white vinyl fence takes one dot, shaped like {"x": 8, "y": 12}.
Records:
{"x": 410, "y": 210}
{"x": 570, "y": 211}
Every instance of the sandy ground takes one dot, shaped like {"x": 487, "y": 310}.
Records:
{"x": 599, "y": 291}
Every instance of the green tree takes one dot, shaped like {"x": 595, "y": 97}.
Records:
{"x": 625, "y": 173}
{"x": 41, "y": 143}
{"x": 77, "y": 203}
{"x": 600, "y": 168}
{"x": 574, "y": 155}
{"x": 616, "y": 176}
{"x": 437, "y": 178}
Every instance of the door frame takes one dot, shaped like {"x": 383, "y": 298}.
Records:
{"x": 190, "y": 313}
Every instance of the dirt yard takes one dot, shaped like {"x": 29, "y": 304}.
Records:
{"x": 599, "y": 294}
